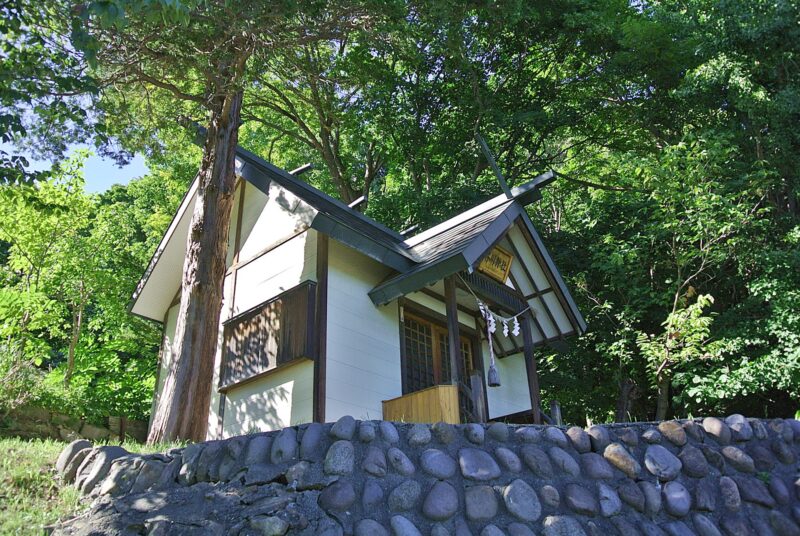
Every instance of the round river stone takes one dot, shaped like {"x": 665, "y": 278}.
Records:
{"x": 730, "y": 493}
{"x": 562, "y": 526}
{"x": 498, "y": 431}
{"x": 662, "y": 463}
{"x": 740, "y": 427}
{"x": 673, "y": 430}
{"x": 619, "y": 457}
{"x": 693, "y": 461}
{"x": 340, "y": 457}
{"x": 419, "y": 434}
{"x": 717, "y": 429}
{"x": 374, "y": 462}
{"x": 344, "y": 428}
{"x": 610, "y": 503}
{"x": 366, "y": 431}
{"x": 564, "y": 461}
{"x": 555, "y": 435}
{"x": 400, "y": 461}
{"x": 474, "y": 433}
{"x": 477, "y": 464}
{"x": 632, "y": 495}
{"x": 441, "y": 502}
{"x": 508, "y": 459}
{"x": 437, "y": 463}
{"x": 581, "y": 500}
{"x": 401, "y": 526}
{"x": 598, "y": 436}
{"x": 579, "y": 439}
{"x": 338, "y": 496}
{"x": 480, "y": 503}
{"x": 677, "y": 500}
{"x": 595, "y": 466}
{"x": 404, "y": 496}
{"x": 521, "y": 501}
{"x": 389, "y": 432}
{"x": 739, "y": 460}
{"x": 370, "y": 527}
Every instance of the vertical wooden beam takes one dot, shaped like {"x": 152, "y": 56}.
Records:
{"x": 530, "y": 369}
{"x": 320, "y": 363}
{"x": 453, "y": 336}
{"x": 403, "y": 363}
{"x": 237, "y": 245}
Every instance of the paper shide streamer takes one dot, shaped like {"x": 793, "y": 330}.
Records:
{"x": 491, "y": 327}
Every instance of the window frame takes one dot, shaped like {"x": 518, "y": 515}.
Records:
{"x": 438, "y": 323}
{"x": 306, "y": 343}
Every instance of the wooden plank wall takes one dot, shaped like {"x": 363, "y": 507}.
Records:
{"x": 270, "y": 335}
{"x": 431, "y": 405}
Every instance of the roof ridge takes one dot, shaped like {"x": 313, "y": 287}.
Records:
{"x": 284, "y": 175}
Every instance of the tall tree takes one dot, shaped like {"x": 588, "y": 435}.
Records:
{"x": 198, "y": 54}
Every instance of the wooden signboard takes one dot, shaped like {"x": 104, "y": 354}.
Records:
{"x": 497, "y": 264}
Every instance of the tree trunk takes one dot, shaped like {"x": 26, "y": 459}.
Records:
{"x": 77, "y": 320}
{"x": 662, "y": 407}
{"x": 182, "y": 411}
{"x": 622, "y": 413}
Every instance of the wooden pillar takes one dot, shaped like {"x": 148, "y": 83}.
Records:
{"x": 453, "y": 337}
{"x": 530, "y": 369}
{"x": 320, "y": 363}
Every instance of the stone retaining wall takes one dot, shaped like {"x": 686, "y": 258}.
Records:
{"x": 706, "y": 477}
{"x": 39, "y": 423}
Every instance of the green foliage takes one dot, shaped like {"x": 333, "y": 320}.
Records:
{"x": 31, "y": 496}
{"x": 673, "y": 125}
{"x": 71, "y": 265}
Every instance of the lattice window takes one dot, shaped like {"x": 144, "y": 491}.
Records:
{"x": 427, "y": 356}
{"x": 419, "y": 369}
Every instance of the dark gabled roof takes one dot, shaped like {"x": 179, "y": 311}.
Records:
{"x": 458, "y": 245}
{"x": 452, "y": 246}
{"x": 333, "y": 218}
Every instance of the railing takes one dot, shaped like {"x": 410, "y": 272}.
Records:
{"x": 434, "y": 404}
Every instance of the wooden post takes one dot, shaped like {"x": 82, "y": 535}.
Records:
{"x": 476, "y": 384}
{"x": 530, "y": 369}
{"x": 555, "y": 412}
{"x": 453, "y": 337}
{"x": 320, "y": 363}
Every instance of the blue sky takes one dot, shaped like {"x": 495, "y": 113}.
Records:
{"x": 100, "y": 173}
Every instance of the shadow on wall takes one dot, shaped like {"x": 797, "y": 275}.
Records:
{"x": 257, "y": 407}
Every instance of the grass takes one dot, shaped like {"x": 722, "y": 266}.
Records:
{"x": 31, "y": 496}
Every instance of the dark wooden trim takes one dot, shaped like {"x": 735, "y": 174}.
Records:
{"x": 401, "y": 315}
{"x": 433, "y": 294}
{"x": 546, "y": 271}
{"x": 533, "y": 283}
{"x": 538, "y": 294}
{"x": 477, "y": 357}
{"x": 530, "y": 369}
{"x": 175, "y": 299}
{"x": 276, "y": 244}
{"x": 453, "y": 338}
{"x": 321, "y": 321}
{"x": 223, "y": 389}
{"x": 237, "y": 243}
{"x": 430, "y": 315}
{"x": 502, "y": 296}
{"x": 159, "y": 362}
{"x": 265, "y": 302}
{"x": 533, "y": 313}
